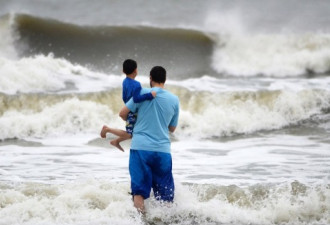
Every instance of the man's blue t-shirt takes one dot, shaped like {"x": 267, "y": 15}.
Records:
{"x": 132, "y": 88}
{"x": 151, "y": 129}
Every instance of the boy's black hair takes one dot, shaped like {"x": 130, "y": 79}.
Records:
{"x": 158, "y": 74}
{"x": 129, "y": 66}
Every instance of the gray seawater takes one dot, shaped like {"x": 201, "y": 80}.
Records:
{"x": 252, "y": 145}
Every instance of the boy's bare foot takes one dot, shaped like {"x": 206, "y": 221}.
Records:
{"x": 117, "y": 145}
{"x": 104, "y": 131}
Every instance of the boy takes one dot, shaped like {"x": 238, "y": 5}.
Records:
{"x": 131, "y": 89}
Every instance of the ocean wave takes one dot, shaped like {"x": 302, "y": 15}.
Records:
{"x": 96, "y": 202}
{"x": 186, "y": 53}
{"x": 104, "y": 48}
{"x": 70, "y": 116}
{"x": 203, "y": 114}
{"x": 45, "y": 74}
{"x": 276, "y": 55}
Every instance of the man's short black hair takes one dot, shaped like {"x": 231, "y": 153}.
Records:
{"x": 158, "y": 74}
{"x": 129, "y": 66}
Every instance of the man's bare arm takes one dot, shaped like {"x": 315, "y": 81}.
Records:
{"x": 124, "y": 112}
{"x": 171, "y": 129}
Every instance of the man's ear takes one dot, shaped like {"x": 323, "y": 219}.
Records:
{"x": 150, "y": 82}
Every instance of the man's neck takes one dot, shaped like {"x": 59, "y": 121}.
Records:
{"x": 159, "y": 85}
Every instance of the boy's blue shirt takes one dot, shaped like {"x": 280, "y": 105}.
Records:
{"x": 151, "y": 131}
{"x": 132, "y": 88}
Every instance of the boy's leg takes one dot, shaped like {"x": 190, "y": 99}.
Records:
{"x": 118, "y": 132}
{"x": 122, "y": 136}
{"x": 104, "y": 131}
{"x": 120, "y": 139}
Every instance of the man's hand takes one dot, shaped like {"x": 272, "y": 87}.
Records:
{"x": 171, "y": 129}
{"x": 153, "y": 94}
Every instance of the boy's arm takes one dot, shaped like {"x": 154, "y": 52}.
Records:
{"x": 137, "y": 97}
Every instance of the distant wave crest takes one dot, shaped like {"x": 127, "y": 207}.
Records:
{"x": 276, "y": 55}
{"x": 186, "y": 53}
{"x": 104, "y": 48}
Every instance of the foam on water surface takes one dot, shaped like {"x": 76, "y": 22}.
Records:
{"x": 106, "y": 202}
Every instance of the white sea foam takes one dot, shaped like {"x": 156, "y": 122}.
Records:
{"x": 240, "y": 51}
{"x": 95, "y": 202}
{"x": 7, "y": 49}
{"x": 48, "y": 74}
{"x": 243, "y": 53}
{"x": 277, "y": 55}
{"x": 89, "y": 204}
{"x": 71, "y": 116}
{"x": 203, "y": 114}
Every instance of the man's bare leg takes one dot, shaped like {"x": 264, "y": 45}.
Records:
{"x": 139, "y": 203}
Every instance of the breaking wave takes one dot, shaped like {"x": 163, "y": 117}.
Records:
{"x": 102, "y": 202}
{"x": 203, "y": 114}
{"x": 186, "y": 53}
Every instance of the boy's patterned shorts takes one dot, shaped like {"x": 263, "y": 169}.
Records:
{"x": 130, "y": 122}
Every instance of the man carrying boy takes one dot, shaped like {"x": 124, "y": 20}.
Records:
{"x": 131, "y": 89}
{"x": 150, "y": 162}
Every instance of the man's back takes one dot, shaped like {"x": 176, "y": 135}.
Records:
{"x": 154, "y": 117}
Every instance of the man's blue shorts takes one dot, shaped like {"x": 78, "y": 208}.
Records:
{"x": 150, "y": 169}
{"x": 130, "y": 122}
